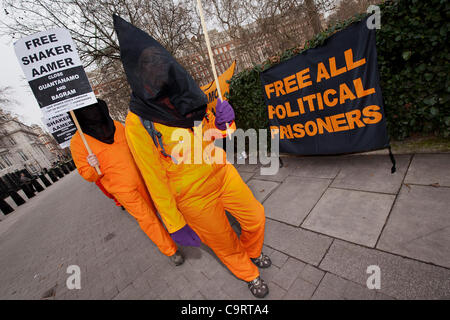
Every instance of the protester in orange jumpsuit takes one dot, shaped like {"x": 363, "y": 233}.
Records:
{"x": 119, "y": 175}
{"x": 106, "y": 193}
{"x": 190, "y": 197}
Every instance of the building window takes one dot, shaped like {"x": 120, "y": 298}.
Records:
{"x": 2, "y": 166}
{"x": 33, "y": 169}
{"x": 6, "y": 160}
{"x": 23, "y": 155}
{"x": 12, "y": 141}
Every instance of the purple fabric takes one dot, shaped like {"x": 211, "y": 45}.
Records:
{"x": 186, "y": 237}
{"x": 224, "y": 114}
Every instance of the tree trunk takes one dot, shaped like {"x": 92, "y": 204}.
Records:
{"x": 313, "y": 14}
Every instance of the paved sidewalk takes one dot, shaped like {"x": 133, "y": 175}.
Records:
{"x": 328, "y": 219}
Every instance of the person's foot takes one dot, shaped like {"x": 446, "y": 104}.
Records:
{"x": 263, "y": 261}
{"x": 177, "y": 258}
{"x": 258, "y": 287}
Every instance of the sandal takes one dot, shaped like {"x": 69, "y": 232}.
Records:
{"x": 258, "y": 287}
{"x": 262, "y": 261}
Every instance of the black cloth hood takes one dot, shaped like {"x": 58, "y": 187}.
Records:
{"x": 96, "y": 122}
{"x": 162, "y": 90}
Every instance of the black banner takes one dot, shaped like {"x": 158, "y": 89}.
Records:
{"x": 327, "y": 100}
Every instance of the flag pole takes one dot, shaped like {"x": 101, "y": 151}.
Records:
{"x": 83, "y": 138}
{"x": 211, "y": 58}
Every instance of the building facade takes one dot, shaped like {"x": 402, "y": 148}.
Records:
{"x": 252, "y": 44}
{"x": 196, "y": 60}
{"x": 25, "y": 147}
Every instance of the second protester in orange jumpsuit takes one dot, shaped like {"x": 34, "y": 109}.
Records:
{"x": 119, "y": 175}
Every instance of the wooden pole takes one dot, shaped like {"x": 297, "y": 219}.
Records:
{"x": 83, "y": 138}
{"x": 211, "y": 58}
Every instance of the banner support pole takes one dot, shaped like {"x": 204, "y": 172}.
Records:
{"x": 211, "y": 58}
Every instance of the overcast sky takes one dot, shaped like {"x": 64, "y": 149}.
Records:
{"x": 12, "y": 75}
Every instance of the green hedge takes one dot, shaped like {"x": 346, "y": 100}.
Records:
{"x": 413, "y": 60}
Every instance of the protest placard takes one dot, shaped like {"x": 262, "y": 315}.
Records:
{"x": 62, "y": 128}
{"x": 54, "y": 71}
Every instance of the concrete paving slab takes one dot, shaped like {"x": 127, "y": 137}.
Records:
{"x": 261, "y": 189}
{"x": 337, "y": 288}
{"x": 288, "y": 273}
{"x": 296, "y": 242}
{"x": 246, "y": 175}
{"x": 355, "y": 216}
{"x": 267, "y": 274}
{"x": 278, "y": 258}
{"x": 355, "y": 291}
{"x": 252, "y": 168}
{"x": 330, "y": 288}
{"x": 275, "y": 292}
{"x": 290, "y": 160}
{"x": 294, "y": 199}
{"x": 401, "y": 278}
{"x": 300, "y": 290}
{"x": 419, "y": 225}
{"x": 312, "y": 274}
{"x": 429, "y": 169}
{"x": 371, "y": 173}
{"x": 333, "y": 283}
{"x": 316, "y": 167}
{"x": 280, "y": 176}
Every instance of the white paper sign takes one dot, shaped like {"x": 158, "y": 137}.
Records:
{"x": 62, "y": 128}
{"x": 54, "y": 71}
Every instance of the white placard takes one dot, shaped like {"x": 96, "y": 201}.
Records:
{"x": 50, "y": 62}
{"x": 62, "y": 128}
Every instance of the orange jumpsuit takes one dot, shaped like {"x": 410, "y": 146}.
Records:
{"x": 121, "y": 178}
{"x": 106, "y": 193}
{"x": 199, "y": 194}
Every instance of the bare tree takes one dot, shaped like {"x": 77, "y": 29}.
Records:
{"x": 348, "y": 8}
{"x": 266, "y": 27}
{"x": 91, "y": 25}
{"x": 313, "y": 14}
{"x": 258, "y": 29}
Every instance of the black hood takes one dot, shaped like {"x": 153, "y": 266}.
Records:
{"x": 96, "y": 122}
{"x": 162, "y": 90}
